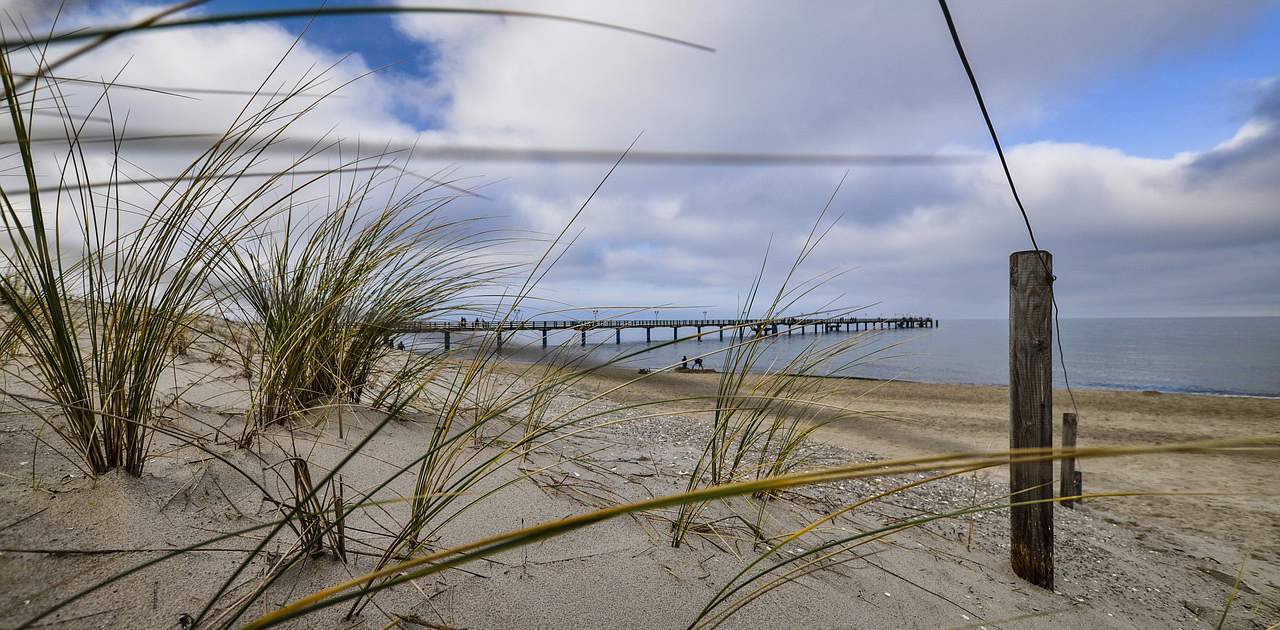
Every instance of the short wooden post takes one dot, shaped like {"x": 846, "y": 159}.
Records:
{"x": 544, "y": 337}
{"x": 1067, "y": 483}
{"x": 584, "y": 338}
{"x": 1031, "y": 413}
{"x": 617, "y": 336}
{"x": 446, "y": 340}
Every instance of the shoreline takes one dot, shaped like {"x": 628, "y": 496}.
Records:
{"x": 875, "y": 379}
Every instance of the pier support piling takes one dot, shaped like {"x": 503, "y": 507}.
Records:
{"x": 544, "y": 337}
{"x": 1031, "y": 413}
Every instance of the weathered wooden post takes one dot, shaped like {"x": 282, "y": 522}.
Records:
{"x": 1031, "y": 413}
{"x": 544, "y": 337}
{"x": 1068, "y": 472}
{"x": 617, "y": 336}
{"x": 446, "y": 340}
{"x": 584, "y": 337}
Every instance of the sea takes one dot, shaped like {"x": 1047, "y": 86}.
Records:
{"x": 1233, "y": 356}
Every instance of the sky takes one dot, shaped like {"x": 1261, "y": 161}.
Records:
{"x": 1144, "y": 138}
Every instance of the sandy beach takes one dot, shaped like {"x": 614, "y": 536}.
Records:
{"x": 904, "y": 419}
{"x": 1121, "y": 563}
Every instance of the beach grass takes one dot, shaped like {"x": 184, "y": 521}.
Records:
{"x": 325, "y": 298}
{"x": 100, "y": 291}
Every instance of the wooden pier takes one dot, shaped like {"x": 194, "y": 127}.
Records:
{"x": 741, "y": 327}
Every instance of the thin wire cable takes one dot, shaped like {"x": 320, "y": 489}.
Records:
{"x": 977, "y": 93}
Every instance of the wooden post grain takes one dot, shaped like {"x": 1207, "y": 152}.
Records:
{"x": 1068, "y": 473}
{"x": 1031, "y": 413}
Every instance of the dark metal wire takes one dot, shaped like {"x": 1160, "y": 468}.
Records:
{"x": 977, "y": 93}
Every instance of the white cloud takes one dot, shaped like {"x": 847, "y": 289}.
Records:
{"x": 852, "y": 77}
{"x": 1131, "y": 235}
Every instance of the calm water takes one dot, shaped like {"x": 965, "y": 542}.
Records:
{"x": 1239, "y": 356}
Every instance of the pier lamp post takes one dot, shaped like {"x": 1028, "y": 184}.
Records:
{"x": 655, "y": 313}
{"x": 704, "y": 315}
{"x": 595, "y": 315}
{"x": 518, "y": 316}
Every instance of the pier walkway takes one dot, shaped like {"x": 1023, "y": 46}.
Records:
{"x": 788, "y": 325}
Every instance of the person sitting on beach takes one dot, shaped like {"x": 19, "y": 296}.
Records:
{"x": 684, "y": 362}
